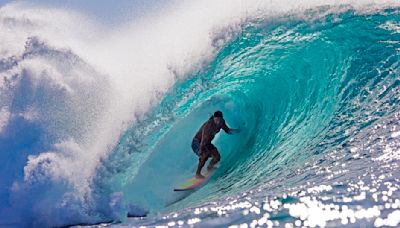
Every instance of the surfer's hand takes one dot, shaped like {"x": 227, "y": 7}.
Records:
{"x": 234, "y": 131}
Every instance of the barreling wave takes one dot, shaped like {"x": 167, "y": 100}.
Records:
{"x": 298, "y": 88}
{"x": 90, "y": 138}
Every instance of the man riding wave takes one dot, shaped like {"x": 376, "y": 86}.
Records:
{"x": 202, "y": 145}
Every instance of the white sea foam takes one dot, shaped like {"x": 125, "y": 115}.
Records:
{"x": 82, "y": 83}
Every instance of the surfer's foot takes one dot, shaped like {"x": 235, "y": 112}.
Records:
{"x": 199, "y": 176}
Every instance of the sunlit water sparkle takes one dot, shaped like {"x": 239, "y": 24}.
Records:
{"x": 96, "y": 129}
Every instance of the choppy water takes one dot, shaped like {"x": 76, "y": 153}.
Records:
{"x": 315, "y": 92}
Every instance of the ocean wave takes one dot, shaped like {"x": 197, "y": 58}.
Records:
{"x": 96, "y": 122}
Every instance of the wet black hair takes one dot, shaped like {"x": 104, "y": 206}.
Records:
{"x": 218, "y": 114}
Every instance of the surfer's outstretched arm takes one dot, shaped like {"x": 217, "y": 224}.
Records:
{"x": 230, "y": 130}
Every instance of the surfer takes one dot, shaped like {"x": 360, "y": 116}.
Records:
{"x": 202, "y": 145}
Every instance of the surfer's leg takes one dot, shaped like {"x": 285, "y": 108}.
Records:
{"x": 215, "y": 157}
{"x": 196, "y": 146}
{"x": 202, "y": 160}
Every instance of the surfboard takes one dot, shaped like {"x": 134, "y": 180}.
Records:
{"x": 194, "y": 182}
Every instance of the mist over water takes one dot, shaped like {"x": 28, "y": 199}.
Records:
{"x": 96, "y": 122}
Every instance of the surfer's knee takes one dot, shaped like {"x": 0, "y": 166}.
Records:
{"x": 203, "y": 158}
{"x": 216, "y": 156}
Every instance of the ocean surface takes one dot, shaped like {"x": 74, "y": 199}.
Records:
{"x": 96, "y": 122}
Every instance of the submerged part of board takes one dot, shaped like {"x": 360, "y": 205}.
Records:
{"x": 194, "y": 182}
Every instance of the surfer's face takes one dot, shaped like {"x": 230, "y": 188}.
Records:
{"x": 217, "y": 120}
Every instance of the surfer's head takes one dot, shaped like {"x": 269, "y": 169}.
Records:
{"x": 218, "y": 114}
{"x": 218, "y": 117}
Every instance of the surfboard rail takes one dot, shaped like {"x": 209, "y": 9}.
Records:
{"x": 194, "y": 182}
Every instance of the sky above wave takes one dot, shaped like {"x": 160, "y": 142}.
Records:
{"x": 105, "y": 11}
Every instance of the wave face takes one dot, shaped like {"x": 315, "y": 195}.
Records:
{"x": 314, "y": 89}
{"x": 317, "y": 99}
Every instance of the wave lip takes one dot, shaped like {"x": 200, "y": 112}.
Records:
{"x": 77, "y": 137}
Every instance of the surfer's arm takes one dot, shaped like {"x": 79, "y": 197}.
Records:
{"x": 229, "y": 130}
{"x": 205, "y": 137}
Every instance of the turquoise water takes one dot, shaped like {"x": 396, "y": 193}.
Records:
{"x": 317, "y": 101}
{"x": 96, "y": 123}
